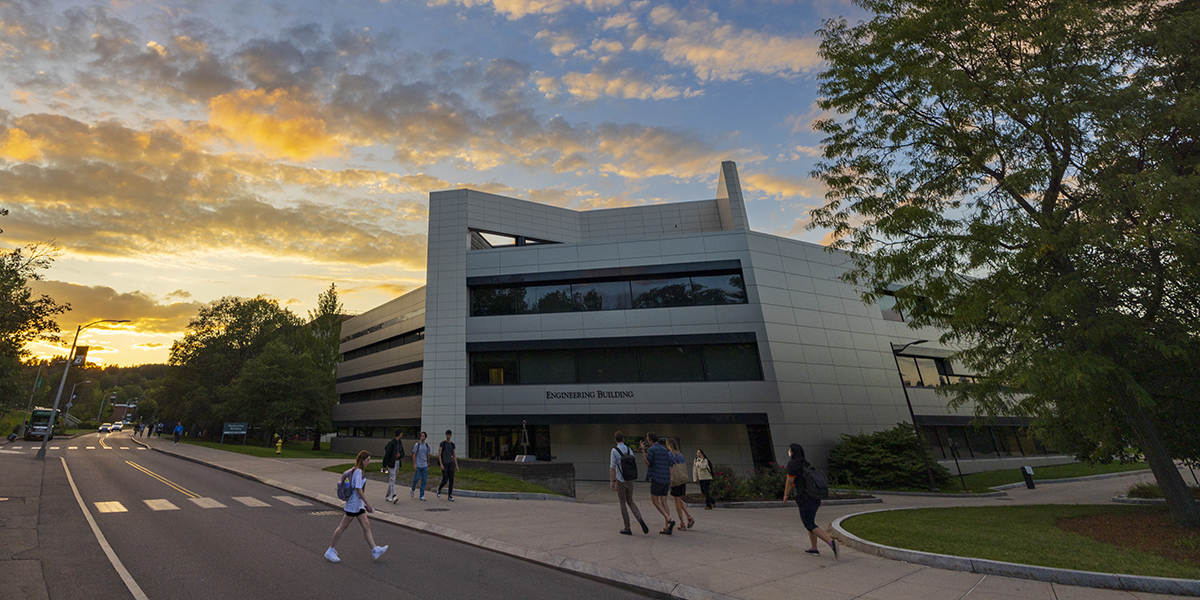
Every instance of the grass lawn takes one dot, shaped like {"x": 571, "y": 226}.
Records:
{"x": 981, "y": 483}
{"x": 290, "y": 449}
{"x": 1038, "y": 535}
{"x": 477, "y": 480}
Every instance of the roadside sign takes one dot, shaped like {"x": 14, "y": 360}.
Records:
{"x": 242, "y": 429}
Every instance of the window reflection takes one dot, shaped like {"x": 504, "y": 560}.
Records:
{"x": 719, "y": 289}
{"x": 713, "y": 362}
{"x": 546, "y": 299}
{"x": 609, "y": 295}
{"x": 608, "y": 365}
{"x": 662, "y": 293}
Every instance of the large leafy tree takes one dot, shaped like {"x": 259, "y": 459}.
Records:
{"x": 24, "y": 315}
{"x": 1028, "y": 171}
{"x": 324, "y": 343}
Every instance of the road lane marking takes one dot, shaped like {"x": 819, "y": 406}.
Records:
{"x": 91, "y": 447}
{"x": 292, "y": 501}
{"x": 251, "y": 501}
{"x": 72, "y": 447}
{"x": 172, "y": 484}
{"x": 54, "y": 447}
{"x": 206, "y": 503}
{"x": 18, "y": 447}
{"x": 139, "y": 448}
{"x": 110, "y": 507}
{"x": 160, "y": 505}
{"x": 124, "y": 447}
{"x": 134, "y": 588}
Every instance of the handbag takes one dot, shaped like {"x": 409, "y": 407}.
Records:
{"x": 679, "y": 474}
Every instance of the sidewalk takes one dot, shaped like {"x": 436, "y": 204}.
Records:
{"x": 747, "y": 554}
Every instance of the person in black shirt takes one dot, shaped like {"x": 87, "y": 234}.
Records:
{"x": 797, "y": 477}
{"x": 449, "y": 463}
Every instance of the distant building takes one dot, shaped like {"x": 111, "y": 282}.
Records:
{"x": 672, "y": 317}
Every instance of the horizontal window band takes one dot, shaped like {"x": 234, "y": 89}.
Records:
{"x": 695, "y": 339}
{"x": 394, "y": 369}
{"x": 587, "y": 275}
{"x": 372, "y": 329}
{"x": 381, "y": 423}
{"x": 961, "y": 421}
{"x": 631, "y": 419}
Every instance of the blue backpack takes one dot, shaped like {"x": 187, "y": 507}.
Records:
{"x": 345, "y": 487}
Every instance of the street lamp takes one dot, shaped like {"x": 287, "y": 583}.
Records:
{"x": 41, "y": 454}
{"x": 912, "y": 415}
{"x": 71, "y": 399}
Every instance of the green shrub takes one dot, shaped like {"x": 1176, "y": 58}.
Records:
{"x": 890, "y": 460}
{"x": 1150, "y": 490}
{"x": 725, "y": 483}
{"x": 766, "y": 482}
{"x": 87, "y": 425}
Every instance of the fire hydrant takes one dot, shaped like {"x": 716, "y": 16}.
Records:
{"x": 278, "y": 444}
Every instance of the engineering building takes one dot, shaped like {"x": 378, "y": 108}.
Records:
{"x": 543, "y": 330}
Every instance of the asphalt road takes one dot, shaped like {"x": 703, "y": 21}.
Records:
{"x": 184, "y": 530}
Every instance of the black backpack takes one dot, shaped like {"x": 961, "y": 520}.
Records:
{"x": 815, "y": 485}
{"x": 628, "y": 465}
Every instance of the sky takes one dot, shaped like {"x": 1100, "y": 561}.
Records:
{"x": 176, "y": 153}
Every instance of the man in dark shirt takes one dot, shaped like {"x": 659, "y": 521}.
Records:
{"x": 449, "y": 463}
{"x": 797, "y": 478}
{"x": 658, "y": 469}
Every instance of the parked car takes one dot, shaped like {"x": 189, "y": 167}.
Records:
{"x": 106, "y": 427}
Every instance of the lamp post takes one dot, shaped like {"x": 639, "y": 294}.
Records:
{"x": 71, "y": 399}
{"x": 41, "y": 454}
{"x": 913, "y": 415}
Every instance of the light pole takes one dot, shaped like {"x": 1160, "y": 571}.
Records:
{"x": 71, "y": 399}
{"x": 41, "y": 454}
{"x": 912, "y": 415}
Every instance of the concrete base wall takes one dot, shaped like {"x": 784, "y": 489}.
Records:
{"x": 979, "y": 465}
{"x": 588, "y": 446}
{"x": 375, "y": 446}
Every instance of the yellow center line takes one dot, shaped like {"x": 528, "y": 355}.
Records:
{"x": 102, "y": 443}
{"x": 174, "y": 485}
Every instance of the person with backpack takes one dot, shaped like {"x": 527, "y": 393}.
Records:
{"x": 622, "y": 472}
{"x": 811, "y": 489}
{"x": 393, "y": 453}
{"x": 420, "y": 466}
{"x": 352, "y": 489}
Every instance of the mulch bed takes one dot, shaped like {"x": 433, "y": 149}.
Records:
{"x": 1149, "y": 532}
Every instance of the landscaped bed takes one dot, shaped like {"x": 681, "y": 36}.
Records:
{"x": 477, "y": 480}
{"x": 1133, "y": 540}
{"x": 981, "y": 483}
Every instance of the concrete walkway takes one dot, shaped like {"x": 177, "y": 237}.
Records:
{"x": 748, "y": 554}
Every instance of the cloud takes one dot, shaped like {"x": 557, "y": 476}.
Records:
{"x": 782, "y": 185}
{"x": 281, "y": 123}
{"x": 16, "y": 145}
{"x": 147, "y": 314}
{"x": 515, "y": 9}
{"x": 626, "y": 84}
{"x": 561, "y": 43}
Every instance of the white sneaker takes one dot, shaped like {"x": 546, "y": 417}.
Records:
{"x": 331, "y": 554}
{"x": 439, "y": 494}
{"x": 378, "y": 551}
{"x": 422, "y": 498}
{"x": 411, "y": 493}
{"x": 450, "y": 498}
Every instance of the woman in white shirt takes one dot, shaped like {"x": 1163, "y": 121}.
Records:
{"x": 702, "y": 472}
{"x": 357, "y": 507}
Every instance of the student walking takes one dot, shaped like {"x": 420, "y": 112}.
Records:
{"x": 393, "y": 453}
{"x": 159, "y": 429}
{"x": 797, "y": 477}
{"x": 658, "y": 470}
{"x": 449, "y": 464}
{"x": 677, "y": 491}
{"x": 178, "y": 432}
{"x": 420, "y": 466}
{"x": 357, "y": 507}
{"x": 702, "y": 473}
{"x": 622, "y": 472}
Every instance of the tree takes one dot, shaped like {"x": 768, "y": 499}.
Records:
{"x": 24, "y": 316}
{"x": 276, "y": 390}
{"x": 325, "y": 325}
{"x": 1028, "y": 172}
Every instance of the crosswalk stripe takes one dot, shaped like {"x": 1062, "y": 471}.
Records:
{"x": 109, "y": 507}
{"x": 139, "y": 448}
{"x": 206, "y": 503}
{"x": 292, "y": 501}
{"x": 160, "y": 505}
{"x": 18, "y": 447}
{"x": 251, "y": 501}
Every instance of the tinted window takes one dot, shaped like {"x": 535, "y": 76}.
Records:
{"x": 732, "y": 362}
{"x": 929, "y": 372}
{"x": 548, "y": 366}
{"x": 608, "y": 365}
{"x": 492, "y": 301}
{"x": 609, "y": 295}
{"x": 546, "y": 299}
{"x": 908, "y": 371}
{"x": 494, "y": 368}
{"x": 719, "y": 289}
{"x": 671, "y": 363}
{"x": 662, "y": 293}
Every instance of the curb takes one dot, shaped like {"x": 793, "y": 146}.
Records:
{"x": 776, "y": 504}
{"x": 1142, "y": 501}
{"x": 996, "y": 494}
{"x": 642, "y": 583}
{"x": 1115, "y": 581}
{"x": 1009, "y": 486}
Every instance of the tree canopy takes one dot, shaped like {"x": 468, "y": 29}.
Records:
{"x": 1027, "y": 171}
{"x": 24, "y": 316}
